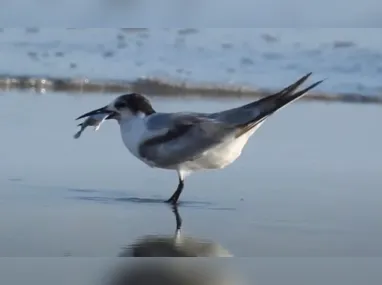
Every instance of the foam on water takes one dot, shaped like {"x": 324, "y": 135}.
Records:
{"x": 261, "y": 58}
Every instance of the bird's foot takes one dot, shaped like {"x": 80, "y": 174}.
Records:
{"x": 171, "y": 201}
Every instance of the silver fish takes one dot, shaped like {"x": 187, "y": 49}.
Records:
{"x": 94, "y": 121}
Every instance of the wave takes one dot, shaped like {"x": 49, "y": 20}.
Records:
{"x": 160, "y": 87}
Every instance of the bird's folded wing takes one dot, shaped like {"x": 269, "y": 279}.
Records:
{"x": 186, "y": 137}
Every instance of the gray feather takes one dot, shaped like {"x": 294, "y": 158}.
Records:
{"x": 186, "y": 136}
{"x": 176, "y": 144}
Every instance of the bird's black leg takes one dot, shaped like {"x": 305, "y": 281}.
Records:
{"x": 178, "y": 218}
{"x": 174, "y": 198}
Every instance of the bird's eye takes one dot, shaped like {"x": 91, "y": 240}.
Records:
{"x": 120, "y": 105}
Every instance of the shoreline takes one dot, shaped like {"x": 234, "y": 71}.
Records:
{"x": 159, "y": 87}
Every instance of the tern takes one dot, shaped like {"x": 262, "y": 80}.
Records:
{"x": 187, "y": 142}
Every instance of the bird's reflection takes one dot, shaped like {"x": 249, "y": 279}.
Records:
{"x": 170, "y": 271}
{"x": 175, "y": 245}
{"x": 175, "y": 272}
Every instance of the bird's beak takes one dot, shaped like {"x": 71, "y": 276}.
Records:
{"x": 104, "y": 110}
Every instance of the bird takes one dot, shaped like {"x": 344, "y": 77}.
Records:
{"x": 187, "y": 142}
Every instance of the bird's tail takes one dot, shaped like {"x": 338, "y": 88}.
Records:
{"x": 272, "y": 103}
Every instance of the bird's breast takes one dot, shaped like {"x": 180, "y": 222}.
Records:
{"x": 132, "y": 133}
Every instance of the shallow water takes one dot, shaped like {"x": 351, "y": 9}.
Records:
{"x": 303, "y": 201}
{"x": 307, "y": 185}
{"x": 302, "y": 188}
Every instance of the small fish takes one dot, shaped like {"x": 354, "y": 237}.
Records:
{"x": 94, "y": 121}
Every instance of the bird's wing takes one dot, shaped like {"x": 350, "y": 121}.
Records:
{"x": 181, "y": 137}
{"x": 247, "y": 116}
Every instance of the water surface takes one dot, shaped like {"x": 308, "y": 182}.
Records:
{"x": 303, "y": 200}
{"x": 350, "y": 59}
{"x": 307, "y": 183}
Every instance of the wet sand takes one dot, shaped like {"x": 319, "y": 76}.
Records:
{"x": 307, "y": 185}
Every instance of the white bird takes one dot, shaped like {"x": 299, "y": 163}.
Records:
{"x": 187, "y": 141}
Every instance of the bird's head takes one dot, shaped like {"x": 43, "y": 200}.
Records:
{"x": 124, "y": 106}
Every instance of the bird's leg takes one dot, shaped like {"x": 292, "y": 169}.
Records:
{"x": 174, "y": 198}
{"x": 178, "y": 221}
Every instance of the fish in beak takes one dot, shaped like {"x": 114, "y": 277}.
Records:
{"x": 95, "y": 121}
{"x": 95, "y": 118}
{"x": 104, "y": 110}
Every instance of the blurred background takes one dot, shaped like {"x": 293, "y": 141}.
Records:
{"x": 303, "y": 201}
{"x": 186, "y": 13}
{"x": 215, "y": 58}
